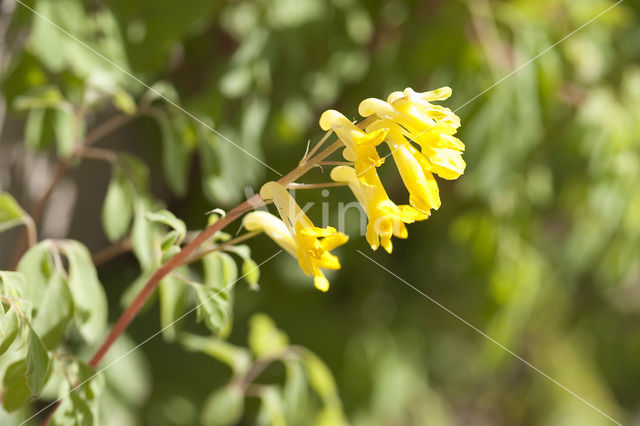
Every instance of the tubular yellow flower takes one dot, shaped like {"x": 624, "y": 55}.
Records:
{"x": 430, "y": 126}
{"x": 311, "y": 251}
{"x": 273, "y": 227}
{"x": 386, "y": 219}
{"x": 411, "y": 115}
{"x": 415, "y": 170}
{"x": 360, "y": 146}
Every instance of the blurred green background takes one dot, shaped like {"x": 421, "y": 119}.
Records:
{"x": 537, "y": 244}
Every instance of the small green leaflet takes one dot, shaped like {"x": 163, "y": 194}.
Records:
{"x": 89, "y": 296}
{"x": 37, "y": 363}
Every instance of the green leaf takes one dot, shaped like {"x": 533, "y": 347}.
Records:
{"x": 272, "y": 408}
{"x": 321, "y": 379}
{"x": 37, "y": 267}
{"x": 55, "y": 312}
{"x": 175, "y": 155}
{"x": 73, "y": 411}
{"x": 117, "y": 209}
{"x": 64, "y": 127}
{"x": 88, "y": 294}
{"x": 80, "y": 406}
{"x": 173, "y": 292}
{"x": 9, "y": 327}
{"x": 124, "y": 101}
{"x": 167, "y": 218}
{"x": 214, "y": 310}
{"x": 137, "y": 171}
{"x": 37, "y": 363}
{"x": 34, "y": 129}
{"x": 16, "y": 392}
{"x": 220, "y": 272}
{"x": 295, "y": 394}
{"x": 235, "y": 357}
{"x": 40, "y": 97}
{"x": 250, "y": 270}
{"x": 11, "y": 214}
{"x": 265, "y": 340}
{"x": 131, "y": 381}
{"x": 145, "y": 236}
{"x": 223, "y": 407}
{"x": 161, "y": 89}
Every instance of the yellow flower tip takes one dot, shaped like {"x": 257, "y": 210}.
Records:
{"x": 373, "y": 106}
{"x": 349, "y": 155}
{"x": 321, "y": 282}
{"x": 269, "y": 190}
{"x": 395, "y": 96}
{"x": 448, "y": 163}
{"x": 387, "y": 245}
{"x": 439, "y": 94}
{"x": 329, "y": 118}
{"x": 342, "y": 174}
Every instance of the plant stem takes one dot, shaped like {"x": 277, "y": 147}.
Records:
{"x": 316, "y": 147}
{"x": 132, "y": 310}
{"x": 111, "y": 252}
{"x": 222, "y": 246}
{"x": 294, "y": 185}
{"x": 336, "y": 163}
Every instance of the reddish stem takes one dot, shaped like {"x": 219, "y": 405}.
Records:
{"x": 132, "y": 310}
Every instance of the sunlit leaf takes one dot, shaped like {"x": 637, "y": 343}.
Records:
{"x": 88, "y": 295}
{"x": 124, "y": 101}
{"x": 321, "y": 379}
{"x": 17, "y": 391}
{"x": 265, "y": 339}
{"x": 55, "y": 312}
{"x": 175, "y": 155}
{"x": 9, "y": 327}
{"x": 214, "y": 310}
{"x": 11, "y": 214}
{"x": 223, "y": 407}
{"x": 145, "y": 235}
{"x": 39, "y": 98}
{"x": 272, "y": 408}
{"x": 295, "y": 393}
{"x": 37, "y": 363}
{"x": 173, "y": 292}
{"x": 117, "y": 209}
{"x": 65, "y": 127}
{"x": 235, "y": 357}
{"x": 37, "y": 267}
{"x": 167, "y": 218}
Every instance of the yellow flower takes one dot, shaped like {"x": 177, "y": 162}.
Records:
{"x": 273, "y": 227}
{"x": 410, "y": 115}
{"x": 311, "y": 251}
{"x": 415, "y": 170}
{"x": 386, "y": 219}
{"x": 360, "y": 146}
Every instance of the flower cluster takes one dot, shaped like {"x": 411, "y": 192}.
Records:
{"x": 405, "y": 121}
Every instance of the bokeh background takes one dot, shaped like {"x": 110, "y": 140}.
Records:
{"x": 537, "y": 244}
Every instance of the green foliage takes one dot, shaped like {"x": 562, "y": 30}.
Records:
{"x": 117, "y": 209}
{"x": 223, "y": 407}
{"x": 11, "y": 214}
{"x": 265, "y": 340}
{"x": 90, "y": 311}
{"x": 37, "y": 363}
